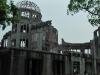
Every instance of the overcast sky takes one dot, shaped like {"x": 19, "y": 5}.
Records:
{"x": 73, "y": 29}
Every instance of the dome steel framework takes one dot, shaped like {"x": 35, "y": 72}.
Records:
{"x": 28, "y": 5}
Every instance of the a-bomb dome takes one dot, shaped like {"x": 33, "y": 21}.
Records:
{"x": 28, "y": 5}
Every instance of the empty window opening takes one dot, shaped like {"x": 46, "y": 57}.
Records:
{"x": 27, "y": 43}
{"x": 14, "y": 28}
{"x": 61, "y": 52}
{"x": 86, "y": 51}
{"x": 25, "y": 14}
{"x": 27, "y": 27}
{"x": 13, "y": 43}
{"x": 24, "y": 28}
{"x": 89, "y": 51}
{"x": 34, "y": 17}
{"x": 74, "y": 50}
{"x": 78, "y": 50}
{"x": 23, "y": 42}
{"x": 5, "y": 42}
{"x": 97, "y": 33}
{"x": 21, "y": 28}
{"x": 71, "y": 50}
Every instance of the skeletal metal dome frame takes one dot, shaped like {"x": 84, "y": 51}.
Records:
{"x": 28, "y": 5}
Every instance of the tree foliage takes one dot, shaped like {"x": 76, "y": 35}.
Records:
{"x": 90, "y": 6}
{"x": 6, "y": 10}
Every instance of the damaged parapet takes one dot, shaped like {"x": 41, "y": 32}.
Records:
{"x": 6, "y": 40}
{"x": 44, "y": 37}
{"x": 84, "y": 48}
{"x": 29, "y": 15}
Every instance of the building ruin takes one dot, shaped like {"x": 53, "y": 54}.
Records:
{"x": 31, "y": 48}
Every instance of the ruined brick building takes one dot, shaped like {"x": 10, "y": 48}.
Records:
{"x": 31, "y": 48}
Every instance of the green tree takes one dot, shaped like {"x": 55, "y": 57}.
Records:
{"x": 90, "y": 6}
{"x": 7, "y": 13}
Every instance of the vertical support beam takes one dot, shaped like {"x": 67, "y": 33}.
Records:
{"x": 82, "y": 66}
{"x": 0, "y": 66}
{"x": 88, "y": 51}
{"x": 11, "y": 63}
{"x": 66, "y": 66}
{"x": 47, "y": 65}
{"x": 4, "y": 43}
{"x": 44, "y": 65}
{"x": 21, "y": 64}
{"x": 60, "y": 68}
{"x": 30, "y": 67}
{"x": 55, "y": 68}
{"x": 71, "y": 67}
{"x": 94, "y": 59}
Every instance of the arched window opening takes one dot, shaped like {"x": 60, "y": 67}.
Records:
{"x": 24, "y": 28}
{"x": 25, "y": 14}
{"x": 14, "y": 28}
{"x": 34, "y": 17}
{"x": 5, "y": 42}
{"x": 13, "y": 43}
{"x": 27, "y": 27}
{"x": 24, "y": 43}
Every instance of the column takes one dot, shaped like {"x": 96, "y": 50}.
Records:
{"x": 55, "y": 68}
{"x": 30, "y": 67}
{"x": 71, "y": 67}
{"x": 66, "y": 66}
{"x": 44, "y": 65}
{"x": 60, "y": 68}
{"x": 88, "y": 51}
{"x": 21, "y": 64}
{"x": 11, "y": 63}
{"x": 48, "y": 65}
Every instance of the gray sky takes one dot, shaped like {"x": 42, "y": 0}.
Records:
{"x": 74, "y": 29}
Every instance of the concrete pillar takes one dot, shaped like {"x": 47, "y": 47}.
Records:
{"x": 88, "y": 51}
{"x": 71, "y": 67}
{"x": 44, "y": 65}
{"x": 71, "y": 64}
{"x": 11, "y": 63}
{"x": 82, "y": 66}
{"x": 94, "y": 61}
{"x": 66, "y": 66}
{"x": 21, "y": 64}
{"x": 0, "y": 67}
{"x": 55, "y": 68}
{"x": 30, "y": 67}
{"x": 60, "y": 68}
{"x": 95, "y": 67}
{"x": 47, "y": 65}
